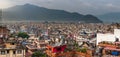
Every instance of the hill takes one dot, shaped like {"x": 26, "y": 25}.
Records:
{"x": 110, "y": 17}
{"x": 36, "y": 13}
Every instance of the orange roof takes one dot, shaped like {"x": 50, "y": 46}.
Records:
{"x": 110, "y": 48}
{"x": 108, "y": 45}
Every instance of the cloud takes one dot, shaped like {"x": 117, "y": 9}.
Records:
{"x": 4, "y": 3}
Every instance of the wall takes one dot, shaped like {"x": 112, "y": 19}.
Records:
{"x": 108, "y": 37}
{"x": 105, "y": 37}
{"x": 117, "y": 33}
{"x": 10, "y": 54}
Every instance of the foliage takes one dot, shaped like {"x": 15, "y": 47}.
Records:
{"x": 83, "y": 50}
{"x": 23, "y": 35}
{"x": 68, "y": 49}
{"x": 76, "y": 44}
{"x": 39, "y": 54}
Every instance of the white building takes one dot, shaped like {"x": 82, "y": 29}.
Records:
{"x": 108, "y": 37}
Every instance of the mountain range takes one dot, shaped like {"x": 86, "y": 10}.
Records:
{"x": 110, "y": 17}
{"x": 36, "y": 13}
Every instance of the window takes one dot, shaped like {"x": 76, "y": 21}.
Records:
{"x": 19, "y": 51}
{"x": 13, "y": 43}
{"x": 7, "y": 51}
{"x": 14, "y": 52}
{"x": 2, "y": 52}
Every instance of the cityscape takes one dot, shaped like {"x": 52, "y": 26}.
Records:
{"x": 30, "y": 30}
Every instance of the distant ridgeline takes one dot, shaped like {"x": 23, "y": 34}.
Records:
{"x": 36, "y": 13}
{"x": 110, "y": 17}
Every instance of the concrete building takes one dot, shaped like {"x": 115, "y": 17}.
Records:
{"x": 11, "y": 49}
{"x": 108, "y": 36}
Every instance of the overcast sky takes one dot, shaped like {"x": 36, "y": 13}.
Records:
{"x": 82, "y": 6}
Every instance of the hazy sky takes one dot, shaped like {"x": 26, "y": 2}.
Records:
{"x": 81, "y": 6}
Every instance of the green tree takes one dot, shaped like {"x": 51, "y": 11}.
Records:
{"x": 83, "y": 50}
{"x": 23, "y": 35}
{"x": 39, "y": 54}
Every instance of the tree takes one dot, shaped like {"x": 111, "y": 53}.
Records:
{"x": 39, "y": 54}
{"x": 23, "y": 35}
{"x": 83, "y": 50}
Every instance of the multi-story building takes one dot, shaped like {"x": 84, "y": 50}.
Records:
{"x": 11, "y": 48}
